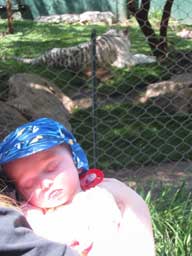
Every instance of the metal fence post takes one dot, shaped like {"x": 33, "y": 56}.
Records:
{"x": 94, "y": 95}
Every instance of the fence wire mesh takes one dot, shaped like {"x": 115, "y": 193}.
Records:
{"x": 128, "y": 116}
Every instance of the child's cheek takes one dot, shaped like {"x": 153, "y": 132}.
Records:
{"x": 28, "y": 194}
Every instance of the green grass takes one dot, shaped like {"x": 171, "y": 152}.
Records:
{"x": 31, "y": 39}
{"x": 130, "y": 135}
{"x": 127, "y": 134}
{"x": 124, "y": 80}
{"x": 171, "y": 213}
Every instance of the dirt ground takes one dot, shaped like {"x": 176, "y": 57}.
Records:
{"x": 173, "y": 174}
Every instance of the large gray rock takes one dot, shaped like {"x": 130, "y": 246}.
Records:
{"x": 89, "y": 17}
{"x": 174, "y": 95}
{"x": 184, "y": 77}
{"x": 34, "y": 97}
{"x": 58, "y": 18}
{"x": 10, "y": 119}
{"x": 94, "y": 17}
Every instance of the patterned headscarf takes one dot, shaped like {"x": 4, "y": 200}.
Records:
{"x": 37, "y": 136}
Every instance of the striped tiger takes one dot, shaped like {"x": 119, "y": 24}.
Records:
{"x": 112, "y": 48}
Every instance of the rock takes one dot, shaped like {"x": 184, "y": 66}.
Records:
{"x": 70, "y": 18}
{"x": 185, "y": 33}
{"x": 57, "y": 18}
{"x": 184, "y": 77}
{"x": 173, "y": 95}
{"x": 95, "y": 17}
{"x": 90, "y": 17}
{"x": 35, "y": 97}
{"x": 10, "y": 119}
{"x": 17, "y": 16}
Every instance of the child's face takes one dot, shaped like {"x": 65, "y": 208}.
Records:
{"x": 45, "y": 179}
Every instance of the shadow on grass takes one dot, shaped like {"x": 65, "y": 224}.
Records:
{"x": 130, "y": 135}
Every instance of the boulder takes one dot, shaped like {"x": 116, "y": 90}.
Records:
{"x": 58, "y": 18}
{"x": 10, "y": 119}
{"x": 184, "y": 77}
{"x": 70, "y": 18}
{"x": 94, "y": 17}
{"x": 89, "y": 17}
{"x": 173, "y": 95}
{"x": 34, "y": 97}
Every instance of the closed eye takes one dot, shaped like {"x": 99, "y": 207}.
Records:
{"x": 28, "y": 184}
{"x": 52, "y": 167}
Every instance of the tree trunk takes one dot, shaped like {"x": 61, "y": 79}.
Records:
{"x": 164, "y": 24}
{"x": 132, "y": 7}
{"x": 9, "y": 17}
{"x": 157, "y": 44}
{"x": 142, "y": 18}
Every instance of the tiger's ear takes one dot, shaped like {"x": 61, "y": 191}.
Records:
{"x": 126, "y": 32}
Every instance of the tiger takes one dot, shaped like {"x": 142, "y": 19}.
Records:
{"x": 112, "y": 48}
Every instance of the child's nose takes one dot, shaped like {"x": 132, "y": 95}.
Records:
{"x": 46, "y": 184}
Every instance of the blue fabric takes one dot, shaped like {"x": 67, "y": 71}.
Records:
{"x": 37, "y": 136}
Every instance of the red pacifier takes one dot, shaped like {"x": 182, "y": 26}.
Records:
{"x": 91, "y": 178}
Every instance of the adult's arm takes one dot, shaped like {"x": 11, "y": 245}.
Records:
{"x": 17, "y": 238}
{"x": 136, "y": 227}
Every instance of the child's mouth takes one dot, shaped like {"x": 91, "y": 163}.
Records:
{"x": 56, "y": 194}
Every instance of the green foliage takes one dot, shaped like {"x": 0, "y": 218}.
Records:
{"x": 127, "y": 134}
{"x": 31, "y": 39}
{"x": 127, "y": 79}
{"x": 133, "y": 135}
{"x": 171, "y": 212}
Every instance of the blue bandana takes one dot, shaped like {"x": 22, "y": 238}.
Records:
{"x": 37, "y": 136}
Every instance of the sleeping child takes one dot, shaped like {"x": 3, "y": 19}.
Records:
{"x": 65, "y": 201}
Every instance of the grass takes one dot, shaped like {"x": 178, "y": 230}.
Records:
{"x": 130, "y": 135}
{"x": 127, "y": 134}
{"x": 171, "y": 215}
{"x": 31, "y": 39}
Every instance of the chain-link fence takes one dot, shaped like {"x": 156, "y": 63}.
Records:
{"x": 127, "y": 110}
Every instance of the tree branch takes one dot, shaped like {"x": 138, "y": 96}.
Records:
{"x": 9, "y": 16}
{"x": 158, "y": 44}
{"x": 132, "y": 7}
{"x": 165, "y": 18}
